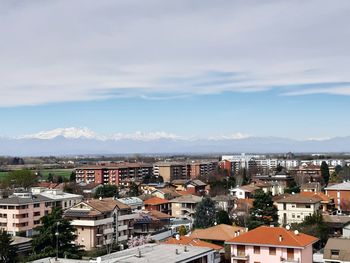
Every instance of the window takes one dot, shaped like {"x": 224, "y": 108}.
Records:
{"x": 290, "y": 253}
{"x": 272, "y": 251}
{"x": 256, "y": 250}
{"x": 293, "y": 215}
{"x": 37, "y": 205}
{"x": 307, "y": 206}
{"x": 334, "y": 253}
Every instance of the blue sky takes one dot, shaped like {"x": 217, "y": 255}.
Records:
{"x": 190, "y": 68}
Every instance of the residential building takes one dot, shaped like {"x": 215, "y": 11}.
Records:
{"x": 165, "y": 193}
{"x": 294, "y": 208}
{"x": 337, "y": 250}
{"x": 184, "y": 206}
{"x": 314, "y": 187}
{"x": 135, "y": 203}
{"x": 171, "y": 171}
{"x": 339, "y": 225}
{"x": 190, "y": 241}
{"x": 151, "y": 223}
{"x": 100, "y": 222}
{"x": 271, "y": 244}
{"x": 114, "y": 173}
{"x": 201, "y": 168}
{"x": 224, "y": 202}
{"x": 22, "y": 212}
{"x": 196, "y": 187}
{"x": 60, "y": 198}
{"x": 341, "y": 195}
{"x": 327, "y": 203}
{"x": 244, "y": 191}
{"x": 158, "y": 204}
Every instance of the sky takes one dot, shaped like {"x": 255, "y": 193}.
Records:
{"x": 190, "y": 68}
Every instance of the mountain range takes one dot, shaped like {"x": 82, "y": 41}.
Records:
{"x": 76, "y": 141}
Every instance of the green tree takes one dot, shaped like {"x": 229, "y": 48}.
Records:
{"x": 134, "y": 190}
{"x": 44, "y": 244}
{"x": 204, "y": 215}
{"x": 338, "y": 169}
{"x": 263, "y": 211}
{"x": 20, "y": 178}
{"x": 182, "y": 230}
{"x": 107, "y": 190}
{"x": 222, "y": 217}
{"x": 325, "y": 172}
{"x": 72, "y": 176}
{"x": 315, "y": 226}
{"x": 7, "y": 252}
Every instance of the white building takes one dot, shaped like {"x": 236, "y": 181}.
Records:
{"x": 62, "y": 199}
{"x": 294, "y": 208}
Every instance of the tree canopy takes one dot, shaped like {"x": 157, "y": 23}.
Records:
{"x": 7, "y": 252}
{"x": 107, "y": 190}
{"x": 44, "y": 244}
{"x": 325, "y": 172}
{"x": 205, "y": 213}
{"x": 263, "y": 212}
{"x": 20, "y": 178}
{"x": 222, "y": 217}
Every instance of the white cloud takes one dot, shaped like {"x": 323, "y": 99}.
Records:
{"x": 54, "y": 51}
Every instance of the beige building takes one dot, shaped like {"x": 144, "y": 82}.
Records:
{"x": 21, "y": 213}
{"x": 171, "y": 171}
{"x": 184, "y": 206}
{"x": 101, "y": 222}
{"x": 294, "y": 208}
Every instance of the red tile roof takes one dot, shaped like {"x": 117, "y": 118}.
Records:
{"x": 322, "y": 196}
{"x": 265, "y": 235}
{"x": 189, "y": 241}
{"x": 155, "y": 201}
{"x": 220, "y": 232}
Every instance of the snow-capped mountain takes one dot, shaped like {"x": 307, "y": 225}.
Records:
{"x": 80, "y": 141}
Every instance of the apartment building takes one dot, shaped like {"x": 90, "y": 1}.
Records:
{"x": 113, "y": 173}
{"x": 158, "y": 204}
{"x": 294, "y": 208}
{"x": 58, "y": 197}
{"x": 341, "y": 195}
{"x": 171, "y": 171}
{"x": 184, "y": 206}
{"x": 101, "y": 222}
{"x": 21, "y": 213}
{"x": 272, "y": 245}
{"x": 201, "y": 168}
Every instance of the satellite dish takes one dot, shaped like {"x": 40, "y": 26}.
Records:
{"x": 296, "y": 232}
{"x": 288, "y": 227}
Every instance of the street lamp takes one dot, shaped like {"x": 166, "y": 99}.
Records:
{"x": 56, "y": 234}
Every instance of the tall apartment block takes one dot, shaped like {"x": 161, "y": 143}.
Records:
{"x": 114, "y": 173}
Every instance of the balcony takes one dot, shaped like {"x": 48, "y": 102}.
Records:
{"x": 240, "y": 256}
{"x": 286, "y": 260}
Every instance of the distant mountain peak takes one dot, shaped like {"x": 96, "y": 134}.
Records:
{"x": 68, "y": 133}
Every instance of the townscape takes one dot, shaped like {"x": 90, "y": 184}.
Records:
{"x": 231, "y": 208}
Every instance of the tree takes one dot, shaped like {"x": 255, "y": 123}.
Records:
{"x": 182, "y": 230}
{"x": 222, "y": 217}
{"x": 134, "y": 190}
{"x": 20, "y": 178}
{"x": 107, "y": 190}
{"x": 315, "y": 226}
{"x": 204, "y": 215}
{"x": 44, "y": 244}
{"x": 263, "y": 211}
{"x": 72, "y": 176}
{"x": 325, "y": 172}
{"x": 7, "y": 251}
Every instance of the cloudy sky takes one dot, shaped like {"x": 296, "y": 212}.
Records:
{"x": 189, "y": 68}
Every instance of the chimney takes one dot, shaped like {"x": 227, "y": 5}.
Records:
{"x": 235, "y": 233}
{"x": 185, "y": 249}
{"x": 177, "y": 237}
{"x": 238, "y": 232}
{"x": 280, "y": 238}
{"x": 177, "y": 252}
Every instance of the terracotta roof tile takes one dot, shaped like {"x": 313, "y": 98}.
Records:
{"x": 265, "y": 235}
{"x": 189, "y": 241}
{"x": 155, "y": 201}
{"x": 220, "y": 232}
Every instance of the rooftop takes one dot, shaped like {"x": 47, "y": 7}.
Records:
{"x": 300, "y": 199}
{"x": 23, "y": 200}
{"x": 156, "y": 201}
{"x": 341, "y": 186}
{"x": 190, "y": 241}
{"x": 340, "y": 244}
{"x": 220, "y": 232}
{"x": 187, "y": 199}
{"x": 275, "y": 236}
